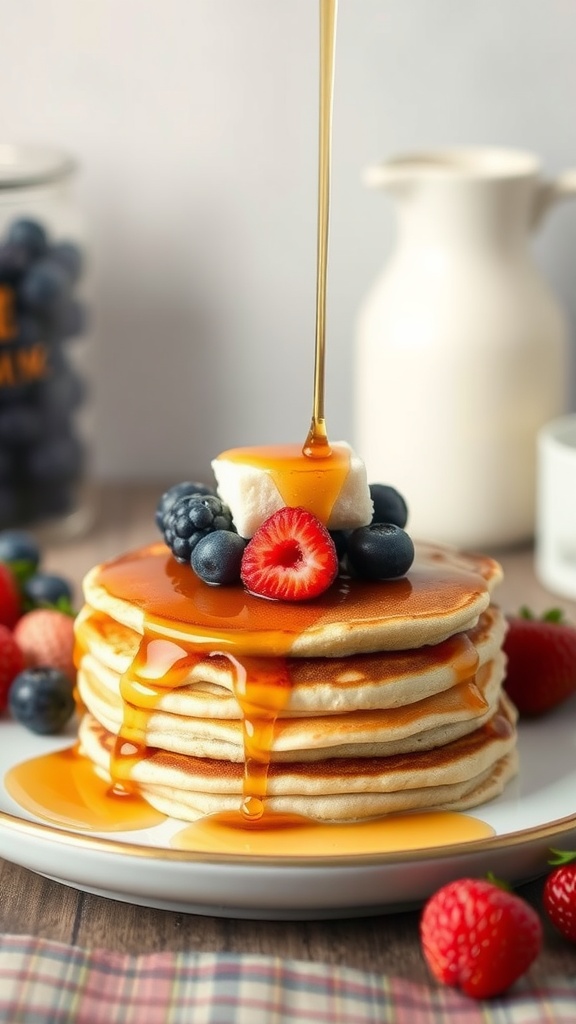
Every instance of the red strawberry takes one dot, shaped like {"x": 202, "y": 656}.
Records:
{"x": 46, "y": 637}
{"x": 479, "y": 937}
{"x": 541, "y": 670}
{"x": 10, "y": 601}
{"x": 11, "y": 663}
{"x": 291, "y": 557}
{"x": 559, "y": 895}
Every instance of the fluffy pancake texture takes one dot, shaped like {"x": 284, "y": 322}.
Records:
{"x": 374, "y": 698}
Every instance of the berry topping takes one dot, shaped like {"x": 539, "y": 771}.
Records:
{"x": 41, "y": 698}
{"x": 171, "y": 496}
{"x": 192, "y": 517}
{"x": 217, "y": 557}
{"x": 381, "y": 551}
{"x": 559, "y": 895}
{"x": 541, "y": 667}
{"x": 11, "y": 663}
{"x": 479, "y": 937}
{"x": 45, "y": 590}
{"x": 291, "y": 557}
{"x": 389, "y": 505}
{"x": 46, "y": 637}
{"x": 10, "y": 600}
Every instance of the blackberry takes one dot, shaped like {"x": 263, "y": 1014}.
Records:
{"x": 192, "y": 517}
{"x": 171, "y": 496}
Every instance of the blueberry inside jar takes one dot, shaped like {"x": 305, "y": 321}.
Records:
{"x": 44, "y": 392}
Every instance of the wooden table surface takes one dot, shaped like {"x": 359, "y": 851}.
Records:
{"x": 30, "y": 904}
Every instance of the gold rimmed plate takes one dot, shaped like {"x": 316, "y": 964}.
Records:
{"x": 537, "y": 811}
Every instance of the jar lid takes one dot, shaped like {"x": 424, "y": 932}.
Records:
{"x": 32, "y": 165}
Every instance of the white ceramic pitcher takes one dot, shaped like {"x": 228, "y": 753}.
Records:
{"x": 461, "y": 346}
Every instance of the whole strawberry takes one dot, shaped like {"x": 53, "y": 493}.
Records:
{"x": 478, "y": 937}
{"x": 10, "y": 600}
{"x": 541, "y": 669}
{"x": 11, "y": 663}
{"x": 46, "y": 637}
{"x": 559, "y": 895}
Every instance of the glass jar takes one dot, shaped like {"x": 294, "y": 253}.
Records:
{"x": 44, "y": 464}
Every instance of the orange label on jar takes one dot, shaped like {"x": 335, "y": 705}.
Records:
{"x": 7, "y": 323}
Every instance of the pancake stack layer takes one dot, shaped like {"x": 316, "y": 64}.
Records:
{"x": 374, "y": 698}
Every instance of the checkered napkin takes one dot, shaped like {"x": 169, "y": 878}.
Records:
{"x": 45, "y": 982}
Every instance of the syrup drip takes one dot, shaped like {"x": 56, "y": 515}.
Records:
{"x": 316, "y": 444}
{"x": 261, "y": 687}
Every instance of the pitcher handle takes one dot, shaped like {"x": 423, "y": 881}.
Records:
{"x": 550, "y": 192}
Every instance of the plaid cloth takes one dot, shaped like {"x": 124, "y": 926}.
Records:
{"x": 45, "y": 982}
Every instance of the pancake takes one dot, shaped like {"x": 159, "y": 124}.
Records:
{"x": 458, "y": 775}
{"x": 421, "y": 725}
{"x": 444, "y": 593}
{"x": 108, "y": 650}
{"x": 373, "y": 698}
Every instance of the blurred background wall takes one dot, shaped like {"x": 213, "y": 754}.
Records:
{"x": 195, "y": 122}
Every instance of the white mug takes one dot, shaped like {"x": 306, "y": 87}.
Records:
{"x": 556, "y": 507}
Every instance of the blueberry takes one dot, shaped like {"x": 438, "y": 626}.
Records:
{"x": 389, "y": 505}
{"x": 68, "y": 321}
{"x": 57, "y": 458}
{"x": 381, "y": 551}
{"x": 20, "y": 425}
{"x": 29, "y": 236}
{"x": 44, "y": 589}
{"x": 217, "y": 557}
{"x": 13, "y": 263}
{"x": 61, "y": 394}
{"x": 340, "y": 538}
{"x": 68, "y": 256}
{"x": 191, "y": 518}
{"x": 41, "y": 699}
{"x": 171, "y": 496}
{"x": 19, "y": 546}
{"x": 44, "y": 286}
{"x": 29, "y": 331}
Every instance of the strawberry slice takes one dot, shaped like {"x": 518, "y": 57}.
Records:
{"x": 291, "y": 557}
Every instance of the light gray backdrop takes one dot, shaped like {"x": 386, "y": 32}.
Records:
{"x": 196, "y": 124}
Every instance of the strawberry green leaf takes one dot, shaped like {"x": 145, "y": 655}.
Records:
{"x": 553, "y": 615}
{"x": 499, "y": 882}
{"x": 562, "y": 857}
{"x": 22, "y": 570}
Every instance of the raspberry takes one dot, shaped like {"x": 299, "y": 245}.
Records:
{"x": 192, "y": 517}
{"x": 291, "y": 557}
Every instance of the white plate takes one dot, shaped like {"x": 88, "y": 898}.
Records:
{"x": 537, "y": 811}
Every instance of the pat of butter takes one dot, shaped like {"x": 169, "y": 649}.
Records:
{"x": 256, "y": 482}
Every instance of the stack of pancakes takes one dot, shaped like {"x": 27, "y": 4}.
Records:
{"x": 375, "y": 698}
